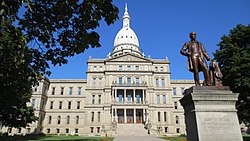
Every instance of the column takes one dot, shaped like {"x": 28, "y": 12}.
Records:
{"x": 115, "y": 95}
{"x": 124, "y": 96}
{"x": 144, "y": 115}
{"x": 134, "y": 116}
{"x": 143, "y": 96}
{"x": 112, "y": 113}
{"x": 116, "y": 115}
{"x": 112, "y": 96}
{"x": 134, "y": 95}
{"x": 125, "y": 115}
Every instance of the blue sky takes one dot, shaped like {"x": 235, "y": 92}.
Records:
{"x": 162, "y": 27}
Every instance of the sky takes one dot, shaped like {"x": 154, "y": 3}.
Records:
{"x": 162, "y": 27}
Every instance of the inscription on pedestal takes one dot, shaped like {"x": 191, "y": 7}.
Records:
{"x": 217, "y": 126}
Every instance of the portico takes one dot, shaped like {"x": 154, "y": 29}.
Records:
{"x": 128, "y": 115}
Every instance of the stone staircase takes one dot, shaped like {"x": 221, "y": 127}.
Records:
{"x": 131, "y": 130}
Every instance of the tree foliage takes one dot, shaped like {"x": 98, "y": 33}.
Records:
{"x": 35, "y": 32}
{"x": 233, "y": 56}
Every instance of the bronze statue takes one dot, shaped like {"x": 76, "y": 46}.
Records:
{"x": 215, "y": 73}
{"x": 196, "y": 58}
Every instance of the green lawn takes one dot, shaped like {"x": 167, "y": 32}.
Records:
{"x": 181, "y": 138}
{"x": 175, "y": 138}
{"x": 54, "y": 138}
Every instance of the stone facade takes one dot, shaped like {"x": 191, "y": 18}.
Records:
{"x": 124, "y": 88}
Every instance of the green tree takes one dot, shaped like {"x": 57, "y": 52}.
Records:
{"x": 233, "y": 56}
{"x": 35, "y": 32}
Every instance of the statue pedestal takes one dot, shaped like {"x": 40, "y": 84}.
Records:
{"x": 210, "y": 114}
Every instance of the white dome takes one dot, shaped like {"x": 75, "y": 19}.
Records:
{"x": 126, "y": 36}
{"x": 126, "y": 40}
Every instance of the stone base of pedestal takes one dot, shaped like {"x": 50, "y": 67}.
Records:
{"x": 210, "y": 114}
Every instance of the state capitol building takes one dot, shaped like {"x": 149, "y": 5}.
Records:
{"x": 125, "y": 93}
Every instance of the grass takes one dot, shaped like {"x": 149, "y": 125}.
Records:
{"x": 55, "y": 138}
{"x": 246, "y": 137}
{"x": 182, "y": 138}
{"x": 175, "y": 138}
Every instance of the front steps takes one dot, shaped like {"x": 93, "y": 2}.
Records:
{"x": 131, "y": 130}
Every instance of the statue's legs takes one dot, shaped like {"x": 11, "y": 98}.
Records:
{"x": 195, "y": 62}
{"x": 205, "y": 73}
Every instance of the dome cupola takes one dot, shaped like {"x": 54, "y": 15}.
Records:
{"x": 126, "y": 40}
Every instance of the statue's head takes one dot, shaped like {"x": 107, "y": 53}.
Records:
{"x": 192, "y": 35}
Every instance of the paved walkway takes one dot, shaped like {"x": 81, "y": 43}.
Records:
{"x": 136, "y": 138}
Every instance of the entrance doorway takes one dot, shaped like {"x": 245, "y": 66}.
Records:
{"x": 139, "y": 116}
{"x": 130, "y": 116}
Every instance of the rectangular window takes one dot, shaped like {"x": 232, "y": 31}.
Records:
{"x": 62, "y": 89}
{"x": 99, "y": 99}
{"x": 129, "y": 98}
{"x": 161, "y": 69}
{"x": 129, "y": 80}
{"x": 79, "y": 90}
{"x": 166, "y": 129}
{"x": 19, "y": 130}
{"x": 66, "y": 130}
{"x": 99, "y": 117}
{"x": 120, "y": 98}
{"x": 100, "y": 68}
{"x": 33, "y": 102}
{"x": 120, "y": 67}
{"x": 158, "y": 99}
{"x": 48, "y": 131}
{"x": 60, "y": 104}
{"x": 70, "y": 90}
{"x": 94, "y": 81}
{"x": 162, "y": 83}
{"x": 120, "y": 80}
{"x": 98, "y": 129}
{"x": 50, "y": 118}
{"x": 178, "y": 130}
{"x": 53, "y": 90}
{"x": 174, "y": 90}
{"x": 59, "y": 120}
{"x": 137, "y": 80}
{"x": 77, "y": 119}
{"x": 182, "y": 90}
{"x": 136, "y": 67}
{"x": 159, "y": 116}
{"x": 91, "y": 129}
{"x": 57, "y": 131}
{"x": 165, "y": 116}
{"x": 164, "y": 99}
{"x": 69, "y": 105}
{"x": 68, "y": 119}
{"x": 156, "y": 82}
{"x": 138, "y": 97}
{"x": 177, "y": 119}
{"x": 156, "y": 68}
{"x": 76, "y": 131}
{"x": 93, "y": 99}
{"x": 128, "y": 68}
{"x": 78, "y": 105}
{"x": 94, "y": 68}
{"x": 51, "y": 104}
{"x": 175, "y": 105}
{"x": 92, "y": 116}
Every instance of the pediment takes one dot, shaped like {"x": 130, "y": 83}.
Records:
{"x": 129, "y": 58}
